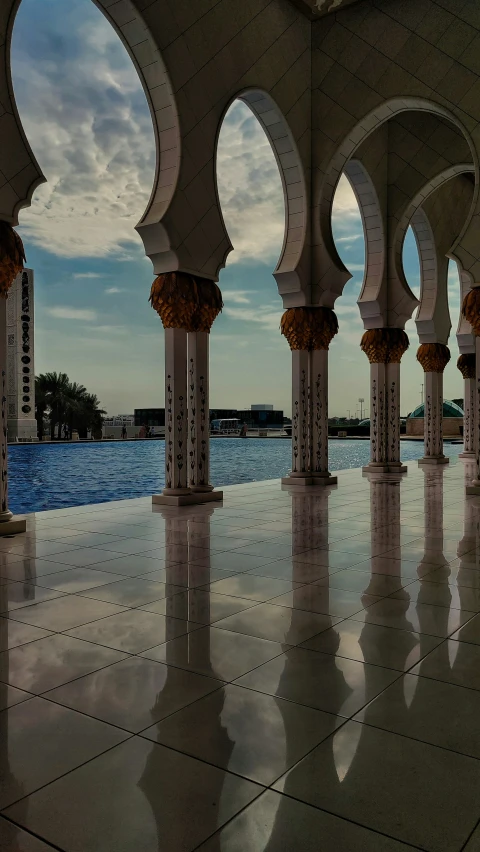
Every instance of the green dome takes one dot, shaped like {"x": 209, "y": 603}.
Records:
{"x": 450, "y": 409}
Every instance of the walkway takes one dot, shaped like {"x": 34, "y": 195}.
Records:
{"x": 333, "y": 705}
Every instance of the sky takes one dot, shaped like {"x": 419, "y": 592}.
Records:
{"x": 88, "y": 122}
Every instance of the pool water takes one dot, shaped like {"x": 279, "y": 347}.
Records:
{"x": 54, "y": 476}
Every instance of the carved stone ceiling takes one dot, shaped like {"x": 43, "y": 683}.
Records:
{"x": 317, "y": 8}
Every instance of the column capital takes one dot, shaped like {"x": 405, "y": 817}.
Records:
{"x": 384, "y": 345}
{"x": 466, "y": 365}
{"x": 185, "y": 301}
{"x": 309, "y": 328}
{"x": 12, "y": 257}
{"x": 433, "y": 357}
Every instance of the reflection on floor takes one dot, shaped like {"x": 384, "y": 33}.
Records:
{"x": 283, "y": 671}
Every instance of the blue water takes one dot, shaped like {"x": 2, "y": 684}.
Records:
{"x": 53, "y": 476}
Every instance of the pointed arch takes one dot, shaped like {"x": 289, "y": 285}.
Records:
{"x": 293, "y": 286}
{"x": 433, "y": 316}
{"x": 330, "y": 273}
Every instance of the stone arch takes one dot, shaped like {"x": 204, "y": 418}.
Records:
{"x": 433, "y": 315}
{"x": 20, "y": 170}
{"x": 421, "y": 197}
{"x": 435, "y": 250}
{"x": 333, "y": 272}
{"x": 290, "y": 167}
{"x": 373, "y": 228}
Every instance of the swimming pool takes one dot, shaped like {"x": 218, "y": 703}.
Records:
{"x": 53, "y": 476}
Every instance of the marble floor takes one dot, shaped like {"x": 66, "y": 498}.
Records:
{"x": 280, "y": 672}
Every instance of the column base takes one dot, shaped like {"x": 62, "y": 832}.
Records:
{"x": 378, "y": 467}
{"x": 13, "y": 526}
{"x": 189, "y": 498}
{"x": 309, "y": 479}
{"x": 474, "y": 488}
{"x": 434, "y": 460}
{"x": 466, "y": 455}
{"x": 325, "y": 478}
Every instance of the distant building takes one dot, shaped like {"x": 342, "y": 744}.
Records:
{"x": 22, "y": 425}
{"x": 259, "y": 417}
{"x": 262, "y": 407}
{"x": 452, "y": 419}
{"x": 149, "y": 417}
{"x": 120, "y": 420}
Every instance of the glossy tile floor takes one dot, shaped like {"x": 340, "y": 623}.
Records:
{"x": 280, "y": 672}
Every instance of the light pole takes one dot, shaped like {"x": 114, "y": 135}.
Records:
{"x": 361, "y": 401}
{"x": 421, "y": 394}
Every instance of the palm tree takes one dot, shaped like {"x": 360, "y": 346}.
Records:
{"x": 67, "y": 404}
{"x": 90, "y": 415}
{"x": 55, "y": 387}
{"x": 74, "y": 403}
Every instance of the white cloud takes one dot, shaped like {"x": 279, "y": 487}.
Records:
{"x": 106, "y": 329}
{"x": 250, "y": 188}
{"x": 89, "y": 125}
{"x": 349, "y": 239}
{"x": 238, "y": 297}
{"x": 262, "y": 315}
{"x": 347, "y": 309}
{"x": 111, "y": 290}
{"x": 345, "y": 202}
{"x": 87, "y": 275}
{"x": 72, "y": 314}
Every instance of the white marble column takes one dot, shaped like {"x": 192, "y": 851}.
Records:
{"x": 187, "y": 426}
{"x": 198, "y": 412}
{"x": 8, "y": 524}
{"x": 301, "y": 417}
{"x": 176, "y": 458}
{"x": 318, "y": 376}
{"x": 433, "y": 420}
{"x": 385, "y": 419}
{"x": 378, "y": 427}
{"x": 187, "y": 325}
{"x": 468, "y": 419}
{"x": 392, "y": 416}
{"x": 474, "y": 488}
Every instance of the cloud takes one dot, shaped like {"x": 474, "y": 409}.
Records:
{"x": 262, "y": 315}
{"x": 238, "y": 297}
{"x": 88, "y": 275}
{"x": 250, "y": 188}
{"x": 81, "y": 314}
{"x": 106, "y": 329}
{"x": 348, "y": 309}
{"x": 111, "y": 290}
{"x": 345, "y": 203}
{"x": 349, "y": 239}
